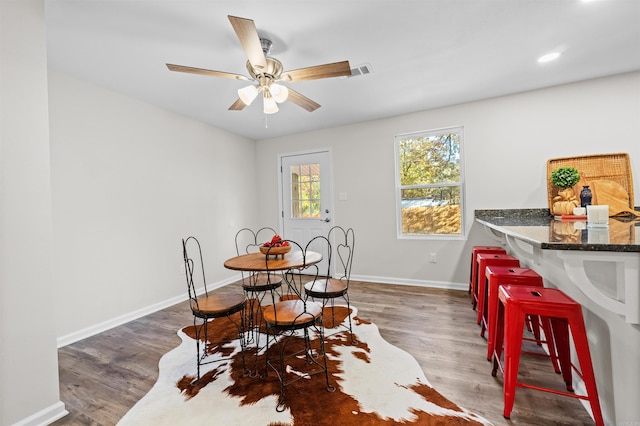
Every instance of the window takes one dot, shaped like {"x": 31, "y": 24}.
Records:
{"x": 305, "y": 191}
{"x": 429, "y": 183}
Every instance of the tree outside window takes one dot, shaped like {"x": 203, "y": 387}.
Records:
{"x": 305, "y": 191}
{"x": 429, "y": 183}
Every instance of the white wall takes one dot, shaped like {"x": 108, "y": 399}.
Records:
{"x": 130, "y": 181}
{"x": 508, "y": 141}
{"x": 28, "y": 356}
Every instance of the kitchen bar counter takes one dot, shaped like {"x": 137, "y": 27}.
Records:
{"x": 537, "y": 226}
{"x": 599, "y": 268}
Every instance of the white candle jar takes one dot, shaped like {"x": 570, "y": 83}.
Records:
{"x": 598, "y": 216}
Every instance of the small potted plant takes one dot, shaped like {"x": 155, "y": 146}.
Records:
{"x": 565, "y": 178}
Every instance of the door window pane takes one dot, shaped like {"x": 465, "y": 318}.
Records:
{"x": 305, "y": 191}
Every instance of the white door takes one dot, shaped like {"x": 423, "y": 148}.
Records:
{"x": 306, "y": 196}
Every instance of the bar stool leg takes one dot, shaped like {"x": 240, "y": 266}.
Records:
{"x": 560, "y": 328}
{"x": 471, "y": 274}
{"x": 491, "y": 325}
{"x": 581, "y": 344}
{"x": 499, "y": 339}
{"x": 513, "y": 326}
{"x": 549, "y": 336}
{"x": 482, "y": 302}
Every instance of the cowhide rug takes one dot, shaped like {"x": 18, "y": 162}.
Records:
{"x": 376, "y": 384}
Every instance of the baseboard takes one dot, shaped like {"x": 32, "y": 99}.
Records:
{"x": 417, "y": 283}
{"x": 123, "y": 319}
{"x": 114, "y": 322}
{"x": 45, "y": 416}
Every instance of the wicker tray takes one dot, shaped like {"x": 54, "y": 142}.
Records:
{"x": 608, "y": 175}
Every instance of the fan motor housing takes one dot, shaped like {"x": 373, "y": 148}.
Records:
{"x": 272, "y": 70}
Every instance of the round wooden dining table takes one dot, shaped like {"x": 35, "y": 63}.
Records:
{"x": 258, "y": 262}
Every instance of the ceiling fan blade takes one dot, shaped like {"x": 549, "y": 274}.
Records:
{"x": 202, "y": 71}
{"x": 238, "y": 105}
{"x": 302, "y": 101}
{"x": 336, "y": 69}
{"x": 248, "y": 35}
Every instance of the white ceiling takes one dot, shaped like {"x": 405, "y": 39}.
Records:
{"x": 423, "y": 54}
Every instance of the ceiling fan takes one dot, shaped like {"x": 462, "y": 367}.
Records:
{"x": 268, "y": 72}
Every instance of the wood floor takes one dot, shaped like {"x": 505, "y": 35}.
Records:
{"x": 102, "y": 377}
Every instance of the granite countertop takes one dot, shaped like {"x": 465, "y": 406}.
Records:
{"x": 538, "y": 227}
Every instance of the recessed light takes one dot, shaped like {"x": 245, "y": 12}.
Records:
{"x": 549, "y": 57}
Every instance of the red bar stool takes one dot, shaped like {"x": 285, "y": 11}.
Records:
{"x": 474, "y": 265}
{"x": 483, "y": 260}
{"x": 497, "y": 275}
{"x": 516, "y": 302}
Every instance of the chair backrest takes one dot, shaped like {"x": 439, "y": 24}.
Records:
{"x": 194, "y": 270}
{"x": 343, "y": 243}
{"x": 249, "y": 241}
{"x": 297, "y": 277}
{"x": 321, "y": 244}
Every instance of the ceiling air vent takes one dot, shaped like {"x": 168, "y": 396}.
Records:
{"x": 361, "y": 70}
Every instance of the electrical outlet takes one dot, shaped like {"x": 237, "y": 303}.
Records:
{"x": 433, "y": 258}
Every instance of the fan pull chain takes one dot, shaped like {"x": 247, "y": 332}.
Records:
{"x": 266, "y": 123}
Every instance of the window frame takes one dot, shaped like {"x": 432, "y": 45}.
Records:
{"x": 399, "y": 188}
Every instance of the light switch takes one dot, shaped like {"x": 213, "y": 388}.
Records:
{"x": 342, "y": 196}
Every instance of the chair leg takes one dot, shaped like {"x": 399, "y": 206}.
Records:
{"x": 346, "y": 297}
{"x": 323, "y": 354}
{"x": 197, "y": 330}
{"x": 266, "y": 355}
{"x": 499, "y": 339}
{"x": 513, "y": 329}
{"x": 241, "y": 338}
{"x": 310, "y": 358}
{"x": 581, "y": 343}
{"x": 550, "y": 339}
{"x": 470, "y": 273}
{"x": 281, "y": 399}
{"x": 253, "y": 322}
{"x": 533, "y": 325}
{"x": 199, "y": 357}
{"x": 482, "y": 303}
{"x": 560, "y": 329}
{"x": 333, "y": 313}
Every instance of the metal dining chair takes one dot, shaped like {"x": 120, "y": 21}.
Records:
{"x": 256, "y": 285}
{"x": 328, "y": 289}
{"x": 208, "y": 306}
{"x": 294, "y": 326}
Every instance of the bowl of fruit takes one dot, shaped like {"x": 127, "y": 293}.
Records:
{"x": 276, "y": 247}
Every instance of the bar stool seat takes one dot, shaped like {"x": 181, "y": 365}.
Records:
{"x": 497, "y": 275}
{"x": 473, "y": 270}
{"x": 484, "y": 260}
{"x": 564, "y": 314}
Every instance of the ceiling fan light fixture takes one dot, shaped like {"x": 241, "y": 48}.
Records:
{"x": 248, "y": 94}
{"x": 269, "y": 105}
{"x": 280, "y": 93}
{"x": 265, "y": 71}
